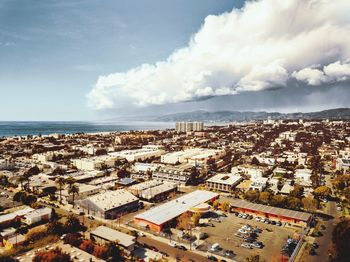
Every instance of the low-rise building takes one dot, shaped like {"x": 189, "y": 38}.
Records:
{"x": 159, "y": 217}
{"x": 95, "y": 163}
{"x": 303, "y": 175}
{"x": 223, "y": 182}
{"x": 273, "y": 213}
{"x": 85, "y": 191}
{"x": 172, "y": 174}
{"x": 153, "y": 190}
{"x": 194, "y": 156}
{"x": 38, "y": 215}
{"x": 103, "y": 235}
{"x": 109, "y": 204}
{"x": 141, "y": 154}
{"x": 258, "y": 183}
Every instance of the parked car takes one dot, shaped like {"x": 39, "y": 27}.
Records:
{"x": 215, "y": 247}
{"x": 249, "y": 240}
{"x": 273, "y": 222}
{"x": 315, "y": 245}
{"x": 247, "y": 227}
{"x": 212, "y": 258}
{"x": 257, "y": 244}
{"x": 256, "y": 230}
{"x": 181, "y": 247}
{"x": 242, "y": 231}
{"x": 229, "y": 253}
{"x": 278, "y": 223}
{"x": 258, "y": 219}
{"x": 246, "y": 245}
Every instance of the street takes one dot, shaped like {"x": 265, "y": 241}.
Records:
{"x": 171, "y": 251}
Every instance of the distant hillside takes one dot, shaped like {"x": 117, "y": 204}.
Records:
{"x": 224, "y": 116}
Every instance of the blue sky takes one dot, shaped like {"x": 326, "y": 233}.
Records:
{"x": 51, "y": 52}
{"x": 99, "y": 59}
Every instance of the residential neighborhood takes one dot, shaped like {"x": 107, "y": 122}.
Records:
{"x": 272, "y": 189}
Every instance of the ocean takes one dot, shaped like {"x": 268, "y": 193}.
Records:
{"x": 23, "y": 128}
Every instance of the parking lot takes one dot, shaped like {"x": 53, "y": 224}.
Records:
{"x": 273, "y": 238}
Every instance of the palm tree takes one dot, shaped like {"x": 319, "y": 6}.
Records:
{"x": 73, "y": 190}
{"x": 61, "y": 181}
{"x": 70, "y": 181}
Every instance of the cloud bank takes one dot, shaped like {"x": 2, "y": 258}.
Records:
{"x": 258, "y": 47}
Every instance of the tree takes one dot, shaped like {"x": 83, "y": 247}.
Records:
{"x": 264, "y": 197}
{"x": 55, "y": 255}
{"x": 36, "y": 233}
{"x": 183, "y": 221}
{"x": 100, "y": 251}
{"x": 73, "y": 190}
{"x": 225, "y": 206}
{"x": 322, "y": 192}
{"x": 341, "y": 241}
{"x": 70, "y": 181}
{"x": 72, "y": 224}
{"x": 114, "y": 253}
{"x": 61, "y": 181}
{"x": 310, "y": 204}
{"x": 216, "y": 204}
{"x": 293, "y": 203}
{"x": 50, "y": 190}
{"x": 73, "y": 239}
{"x": 195, "y": 219}
{"x": 278, "y": 201}
{"x": 297, "y": 191}
{"x": 55, "y": 227}
{"x": 18, "y": 197}
{"x": 87, "y": 245}
{"x": 252, "y": 195}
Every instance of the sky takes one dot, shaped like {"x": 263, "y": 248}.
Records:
{"x": 99, "y": 59}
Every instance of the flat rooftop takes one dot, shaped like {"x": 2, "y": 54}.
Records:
{"x": 112, "y": 235}
{"x": 227, "y": 179}
{"x": 112, "y": 199}
{"x": 172, "y": 209}
{"x": 303, "y": 216}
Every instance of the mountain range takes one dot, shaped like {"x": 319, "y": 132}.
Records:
{"x": 227, "y": 116}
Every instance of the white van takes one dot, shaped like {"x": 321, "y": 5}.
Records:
{"x": 215, "y": 247}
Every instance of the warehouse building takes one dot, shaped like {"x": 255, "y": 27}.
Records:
{"x": 141, "y": 154}
{"x": 109, "y": 204}
{"x": 273, "y": 213}
{"x": 160, "y": 217}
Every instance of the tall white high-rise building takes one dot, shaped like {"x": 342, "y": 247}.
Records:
{"x": 189, "y": 126}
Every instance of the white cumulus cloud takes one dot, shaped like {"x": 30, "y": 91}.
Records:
{"x": 257, "y": 47}
{"x": 334, "y": 72}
